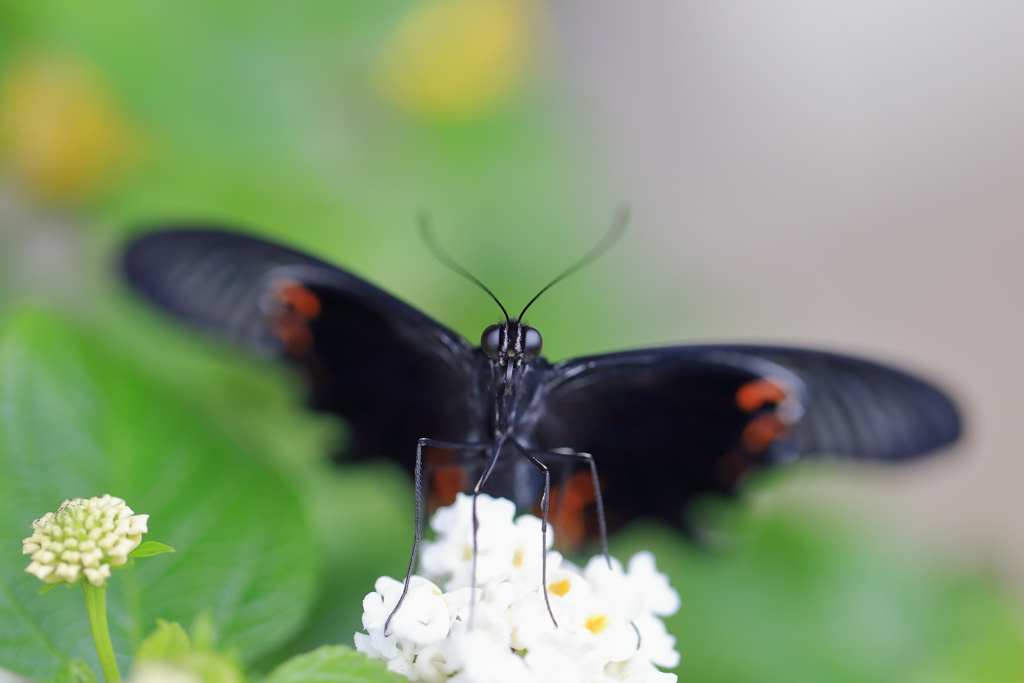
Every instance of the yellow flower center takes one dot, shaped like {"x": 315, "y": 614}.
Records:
{"x": 596, "y": 623}
{"x": 560, "y": 588}
{"x": 517, "y": 559}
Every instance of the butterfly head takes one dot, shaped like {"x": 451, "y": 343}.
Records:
{"x": 510, "y": 344}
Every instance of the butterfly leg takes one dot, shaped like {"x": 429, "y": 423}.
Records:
{"x": 545, "y": 498}
{"x": 418, "y": 513}
{"x": 602, "y": 526}
{"x": 568, "y": 454}
{"x": 492, "y": 460}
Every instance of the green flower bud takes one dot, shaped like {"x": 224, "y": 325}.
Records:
{"x": 84, "y": 539}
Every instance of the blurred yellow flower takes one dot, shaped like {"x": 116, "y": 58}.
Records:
{"x": 459, "y": 59}
{"x": 61, "y": 132}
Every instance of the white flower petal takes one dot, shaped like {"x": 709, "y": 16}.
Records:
{"x": 479, "y": 659}
{"x": 402, "y": 666}
{"x": 431, "y": 665}
{"x": 423, "y": 619}
{"x": 606, "y": 630}
{"x": 364, "y": 645}
{"x": 659, "y": 597}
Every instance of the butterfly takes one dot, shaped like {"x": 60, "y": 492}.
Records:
{"x": 636, "y": 433}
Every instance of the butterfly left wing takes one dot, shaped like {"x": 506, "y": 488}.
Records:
{"x": 665, "y": 425}
{"x": 394, "y": 373}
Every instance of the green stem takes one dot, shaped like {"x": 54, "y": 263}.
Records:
{"x": 96, "y": 606}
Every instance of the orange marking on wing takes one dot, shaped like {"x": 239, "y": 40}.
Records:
{"x": 755, "y": 394}
{"x": 445, "y": 483}
{"x": 438, "y": 457}
{"x": 299, "y": 298}
{"x": 761, "y": 431}
{"x": 569, "y": 516}
{"x": 292, "y": 330}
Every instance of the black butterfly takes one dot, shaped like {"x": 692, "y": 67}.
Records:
{"x": 663, "y": 424}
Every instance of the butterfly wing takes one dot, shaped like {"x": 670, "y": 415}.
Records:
{"x": 663, "y": 425}
{"x": 861, "y": 409}
{"x": 667, "y": 424}
{"x": 394, "y": 373}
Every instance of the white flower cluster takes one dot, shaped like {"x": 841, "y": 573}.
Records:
{"x": 608, "y": 619}
{"x": 84, "y": 537}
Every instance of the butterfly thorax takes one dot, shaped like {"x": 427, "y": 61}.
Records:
{"x": 510, "y": 346}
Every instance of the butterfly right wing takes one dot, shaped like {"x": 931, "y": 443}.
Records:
{"x": 666, "y": 425}
{"x": 394, "y": 373}
{"x": 861, "y": 409}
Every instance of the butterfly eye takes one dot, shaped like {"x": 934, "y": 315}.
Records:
{"x": 490, "y": 342}
{"x": 532, "y": 344}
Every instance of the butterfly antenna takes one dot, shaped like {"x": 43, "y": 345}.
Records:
{"x": 618, "y": 227}
{"x": 434, "y": 245}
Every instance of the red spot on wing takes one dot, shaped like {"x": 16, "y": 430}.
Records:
{"x": 437, "y": 457}
{"x": 569, "y": 513}
{"x": 294, "y": 333}
{"x": 298, "y": 298}
{"x": 446, "y": 476}
{"x": 755, "y": 394}
{"x": 444, "y": 484}
{"x": 761, "y": 431}
{"x": 296, "y": 306}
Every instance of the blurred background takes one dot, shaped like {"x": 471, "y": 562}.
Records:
{"x": 845, "y": 175}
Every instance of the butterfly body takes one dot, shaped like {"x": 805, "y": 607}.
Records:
{"x": 663, "y": 425}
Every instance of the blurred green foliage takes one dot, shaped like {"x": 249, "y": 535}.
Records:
{"x": 170, "y": 647}
{"x": 77, "y": 421}
{"x": 799, "y": 596}
{"x": 115, "y": 116}
{"x": 265, "y": 115}
{"x": 332, "y": 664}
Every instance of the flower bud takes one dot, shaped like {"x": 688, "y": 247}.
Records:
{"x": 83, "y": 540}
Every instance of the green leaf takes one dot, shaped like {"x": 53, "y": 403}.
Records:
{"x": 75, "y": 671}
{"x": 333, "y": 664}
{"x": 206, "y": 667}
{"x": 169, "y": 645}
{"x": 149, "y": 549}
{"x": 77, "y": 419}
{"x": 168, "y": 641}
